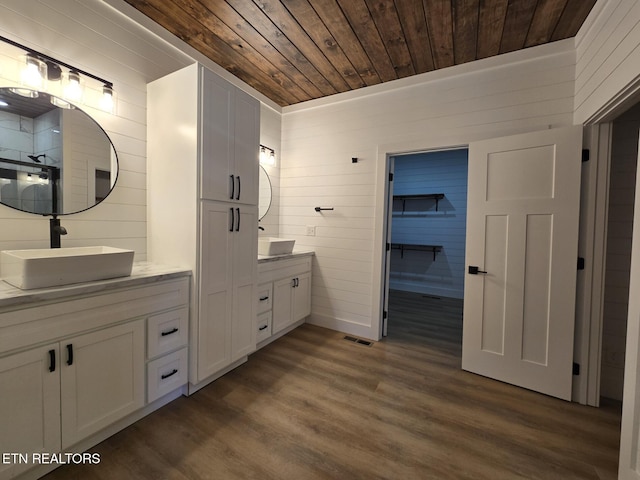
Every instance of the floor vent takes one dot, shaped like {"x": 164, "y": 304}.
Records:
{"x": 359, "y": 341}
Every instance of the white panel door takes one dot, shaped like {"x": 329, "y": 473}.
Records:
{"x": 216, "y": 288}
{"x": 245, "y": 273}
{"x": 246, "y": 145}
{"x": 216, "y": 138}
{"x": 102, "y": 379}
{"x": 29, "y": 406}
{"x": 522, "y": 230}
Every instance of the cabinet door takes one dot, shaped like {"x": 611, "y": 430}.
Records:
{"x": 246, "y": 147}
{"x": 102, "y": 379}
{"x": 245, "y": 273}
{"x": 216, "y": 288}
{"x": 302, "y": 297}
{"x": 282, "y": 303}
{"x": 216, "y": 137}
{"x": 29, "y": 406}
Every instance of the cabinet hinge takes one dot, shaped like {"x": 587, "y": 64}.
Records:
{"x": 391, "y": 176}
{"x": 585, "y": 154}
{"x": 576, "y": 368}
{"x": 580, "y": 263}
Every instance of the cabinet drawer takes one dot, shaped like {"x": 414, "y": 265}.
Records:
{"x": 290, "y": 267}
{"x": 265, "y": 296}
{"x": 263, "y": 327}
{"x": 167, "y": 373}
{"x": 167, "y": 331}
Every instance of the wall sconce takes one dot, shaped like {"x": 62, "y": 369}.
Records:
{"x": 267, "y": 155}
{"x": 33, "y": 74}
{"x": 40, "y": 67}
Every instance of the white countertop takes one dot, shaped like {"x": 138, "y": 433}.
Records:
{"x": 142, "y": 273}
{"x": 294, "y": 254}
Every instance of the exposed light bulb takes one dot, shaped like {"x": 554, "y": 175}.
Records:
{"x": 33, "y": 74}
{"x": 107, "y": 102}
{"x": 73, "y": 89}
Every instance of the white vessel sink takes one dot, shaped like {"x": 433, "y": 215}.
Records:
{"x": 274, "y": 246}
{"x": 48, "y": 267}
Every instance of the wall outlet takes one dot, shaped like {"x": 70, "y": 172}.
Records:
{"x": 311, "y": 231}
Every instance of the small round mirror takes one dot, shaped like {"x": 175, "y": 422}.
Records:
{"x": 264, "y": 196}
{"x": 55, "y": 159}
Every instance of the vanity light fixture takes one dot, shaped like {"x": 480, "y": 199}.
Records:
{"x": 32, "y": 76}
{"x": 73, "y": 89}
{"x": 40, "y": 67}
{"x": 107, "y": 101}
{"x": 267, "y": 155}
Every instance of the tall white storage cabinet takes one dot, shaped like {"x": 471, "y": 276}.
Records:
{"x": 202, "y": 171}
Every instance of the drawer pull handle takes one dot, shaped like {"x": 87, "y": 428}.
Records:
{"x": 262, "y": 299}
{"x": 70, "y": 354}
{"x": 264, "y": 327}
{"x": 170, "y": 374}
{"x": 52, "y": 360}
{"x": 169, "y": 332}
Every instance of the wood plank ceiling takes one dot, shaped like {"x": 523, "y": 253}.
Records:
{"x": 297, "y": 50}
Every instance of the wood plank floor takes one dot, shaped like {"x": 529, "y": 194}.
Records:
{"x": 315, "y": 406}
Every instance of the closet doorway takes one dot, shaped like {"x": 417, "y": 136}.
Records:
{"x": 619, "y": 226}
{"x": 426, "y": 236}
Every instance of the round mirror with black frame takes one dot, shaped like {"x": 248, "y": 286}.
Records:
{"x": 54, "y": 158}
{"x": 264, "y": 193}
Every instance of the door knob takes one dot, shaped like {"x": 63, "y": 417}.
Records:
{"x": 473, "y": 270}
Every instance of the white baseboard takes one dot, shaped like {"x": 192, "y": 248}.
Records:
{"x": 342, "y": 325}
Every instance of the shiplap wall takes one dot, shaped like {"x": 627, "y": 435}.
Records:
{"x": 94, "y": 37}
{"x": 624, "y": 154}
{"x": 270, "y": 135}
{"x": 607, "y": 58}
{"x": 522, "y": 91}
{"x": 419, "y": 223}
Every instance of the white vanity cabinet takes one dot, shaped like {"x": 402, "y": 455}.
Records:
{"x": 284, "y": 295}
{"x": 292, "y": 300}
{"x": 73, "y": 367}
{"x": 202, "y": 174}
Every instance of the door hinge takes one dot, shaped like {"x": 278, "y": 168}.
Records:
{"x": 576, "y": 368}
{"x": 384, "y": 314}
{"x": 391, "y": 176}
{"x": 388, "y": 246}
{"x": 580, "y": 263}
{"x": 585, "y": 154}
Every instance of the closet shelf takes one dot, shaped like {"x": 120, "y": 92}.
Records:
{"x": 433, "y": 196}
{"x": 411, "y": 246}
